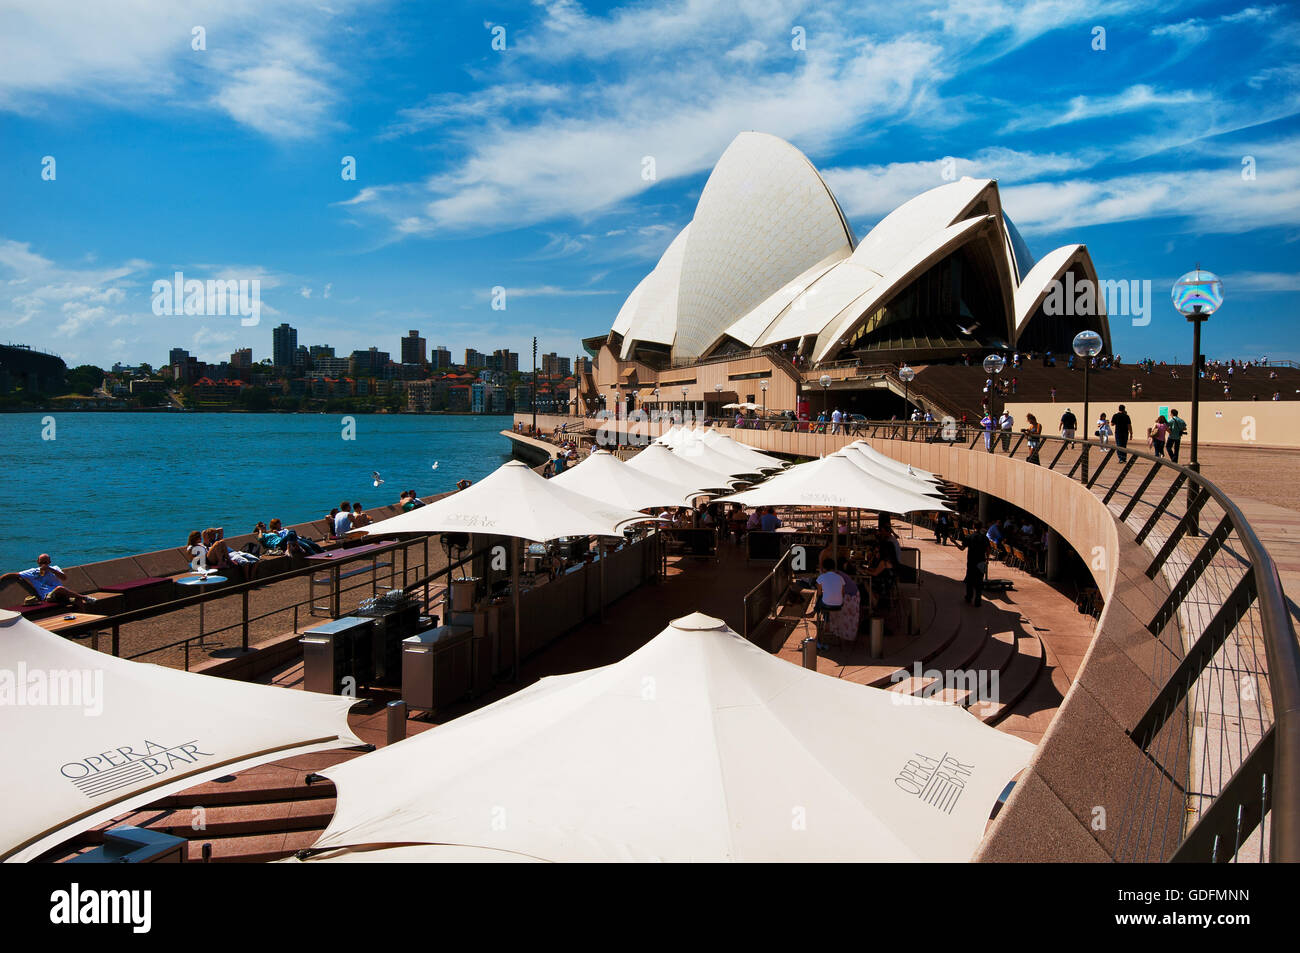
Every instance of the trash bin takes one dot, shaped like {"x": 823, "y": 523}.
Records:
{"x": 463, "y": 594}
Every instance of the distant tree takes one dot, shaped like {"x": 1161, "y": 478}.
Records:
{"x": 151, "y": 399}
{"x": 255, "y": 398}
{"x": 85, "y": 379}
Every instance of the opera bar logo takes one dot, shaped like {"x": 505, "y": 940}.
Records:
{"x": 1113, "y": 297}
{"x": 53, "y": 688}
{"x": 221, "y": 296}
{"x": 107, "y": 771}
{"x": 938, "y": 782}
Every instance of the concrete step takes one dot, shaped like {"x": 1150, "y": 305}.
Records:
{"x": 1015, "y": 680}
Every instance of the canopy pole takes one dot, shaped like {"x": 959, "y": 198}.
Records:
{"x": 600, "y": 552}
{"x": 835, "y": 535}
{"x": 514, "y": 588}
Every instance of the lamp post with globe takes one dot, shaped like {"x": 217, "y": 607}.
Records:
{"x": 825, "y": 381}
{"x": 683, "y": 406}
{"x": 717, "y": 389}
{"x": 906, "y": 375}
{"x": 763, "y": 387}
{"x": 993, "y": 365}
{"x": 1087, "y": 345}
{"x": 1196, "y": 296}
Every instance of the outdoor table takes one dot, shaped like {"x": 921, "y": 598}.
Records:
{"x": 200, "y": 581}
{"x": 55, "y": 623}
{"x": 334, "y": 559}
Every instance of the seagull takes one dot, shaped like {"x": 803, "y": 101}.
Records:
{"x": 970, "y": 330}
{"x": 435, "y": 465}
{"x": 376, "y": 477}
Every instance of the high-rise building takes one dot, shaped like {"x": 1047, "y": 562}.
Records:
{"x": 440, "y": 359}
{"x": 554, "y": 366}
{"x": 241, "y": 357}
{"x": 474, "y": 360}
{"x": 504, "y": 360}
{"x": 413, "y": 348}
{"x": 368, "y": 363}
{"x": 284, "y": 346}
{"x": 582, "y": 364}
{"x": 320, "y": 350}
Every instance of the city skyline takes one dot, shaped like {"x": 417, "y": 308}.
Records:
{"x": 495, "y": 179}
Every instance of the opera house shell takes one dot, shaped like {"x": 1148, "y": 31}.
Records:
{"x": 770, "y": 261}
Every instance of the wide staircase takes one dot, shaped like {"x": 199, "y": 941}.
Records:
{"x": 960, "y": 389}
{"x": 989, "y": 660}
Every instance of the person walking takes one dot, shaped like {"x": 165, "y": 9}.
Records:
{"x": 1034, "y": 433}
{"x": 976, "y": 544}
{"x": 1177, "y": 427}
{"x": 1005, "y": 423}
{"x": 1123, "y": 427}
{"x": 1104, "y": 429}
{"x": 1069, "y": 426}
{"x": 1158, "y": 433}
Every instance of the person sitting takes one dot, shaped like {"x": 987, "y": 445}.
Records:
{"x": 770, "y": 522}
{"x": 45, "y": 582}
{"x": 843, "y": 625}
{"x": 830, "y": 590}
{"x": 413, "y": 501}
{"x": 755, "y": 521}
{"x": 197, "y": 551}
{"x": 343, "y": 520}
{"x": 360, "y": 517}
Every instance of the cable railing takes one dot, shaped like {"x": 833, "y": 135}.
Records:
{"x": 1219, "y": 776}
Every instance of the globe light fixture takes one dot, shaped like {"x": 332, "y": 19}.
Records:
{"x": 906, "y": 375}
{"x": 825, "y": 381}
{"x": 1196, "y": 296}
{"x": 1087, "y": 345}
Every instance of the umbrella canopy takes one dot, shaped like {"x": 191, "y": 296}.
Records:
{"x": 743, "y": 452}
{"x": 892, "y": 464}
{"x": 697, "y": 451}
{"x": 903, "y": 481}
{"x": 604, "y": 477}
{"x": 513, "y": 501}
{"x": 697, "y": 747}
{"x": 659, "y": 461}
{"x": 85, "y": 736}
{"x": 834, "y": 481}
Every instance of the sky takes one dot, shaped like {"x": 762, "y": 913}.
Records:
{"x": 504, "y": 146}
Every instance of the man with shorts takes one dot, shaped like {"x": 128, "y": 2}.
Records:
{"x": 45, "y": 583}
{"x": 1069, "y": 425}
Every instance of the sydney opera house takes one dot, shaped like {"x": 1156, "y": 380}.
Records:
{"x": 768, "y": 276}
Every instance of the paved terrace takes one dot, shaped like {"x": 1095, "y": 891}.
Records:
{"x": 1036, "y": 645}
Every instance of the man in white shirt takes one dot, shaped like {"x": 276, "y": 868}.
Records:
{"x": 830, "y": 587}
{"x": 46, "y": 583}
{"x": 343, "y": 521}
{"x": 836, "y": 419}
{"x": 1005, "y": 423}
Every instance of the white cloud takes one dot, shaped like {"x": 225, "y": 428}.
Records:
{"x": 261, "y": 66}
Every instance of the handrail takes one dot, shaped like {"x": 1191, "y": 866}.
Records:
{"x": 1220, "y": 830}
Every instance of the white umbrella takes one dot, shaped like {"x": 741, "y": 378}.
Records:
{"x": 834, "y": 481}
{"x": 913, "y": 484}
{"x": 698, "y": 452}
{"x": 891, "y": 463}
{"x": 743, "y": 452}
{"x": 659, "y": 461}
{"x": 514, "y": 501}
{"x": 85, "y": 736}
{"x": 602, "y": 476}
{"x": 697, "y": 747}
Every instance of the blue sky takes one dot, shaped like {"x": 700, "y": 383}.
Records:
{"x": 522, "y": 167}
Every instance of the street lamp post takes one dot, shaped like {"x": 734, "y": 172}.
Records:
{"x": 683, "y": 406}
{"x": 993, "y": 365}
{"x": 763, "y": 387}
{"x": 1087, "y": 345}
{"x": 534, "y": 388}
{"x": 717, "y": 389}
{"x": 906, "y": 375}
{"x": 825, "y": 381}
{"x": 1196, "y": 296}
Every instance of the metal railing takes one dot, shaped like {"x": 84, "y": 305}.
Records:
{"x": 763, "y": 599}
{"x": 1219, "y": 777}
{"x": 115, "y": 623}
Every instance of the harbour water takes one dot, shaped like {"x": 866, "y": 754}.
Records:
{"x": 114, "y": 484}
